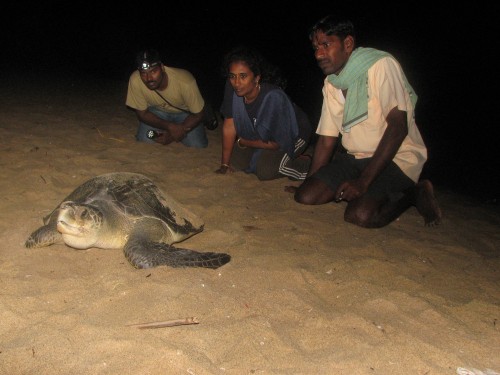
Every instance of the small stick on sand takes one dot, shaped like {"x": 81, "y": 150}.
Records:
{"x": 166, "y": 323}
{"x": 114, "y": 139}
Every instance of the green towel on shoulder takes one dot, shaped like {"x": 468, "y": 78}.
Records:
{"x": 354, "y": 78}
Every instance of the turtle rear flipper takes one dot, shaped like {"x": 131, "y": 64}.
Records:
{"x": 148, "y": 254}
{"x": 44, "y": 236}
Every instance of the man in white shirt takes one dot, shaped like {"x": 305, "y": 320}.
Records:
{"x": 368, "y": 103}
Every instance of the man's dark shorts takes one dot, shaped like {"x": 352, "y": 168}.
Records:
{"x": 390, "y": 183}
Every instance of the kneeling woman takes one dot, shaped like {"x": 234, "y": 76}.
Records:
{"x": 263, "y": 131}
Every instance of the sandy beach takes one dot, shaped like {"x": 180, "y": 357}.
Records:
{"x": 304, "y": 293}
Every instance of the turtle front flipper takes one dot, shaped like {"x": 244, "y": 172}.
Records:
{"x": 44, "y": 236}
{"x": 142, "y": 253}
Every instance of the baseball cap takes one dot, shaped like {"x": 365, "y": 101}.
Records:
{"x": 147, "y": 59}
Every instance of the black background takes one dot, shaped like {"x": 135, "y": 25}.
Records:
{"x": 445, "y": 53}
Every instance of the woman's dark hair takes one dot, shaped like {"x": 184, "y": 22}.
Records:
{"x": 331, "y": 25}
{"x": 268, "y": 72}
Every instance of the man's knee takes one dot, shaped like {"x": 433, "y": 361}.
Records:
{"x": 362, "y": 217}
{"x": 313, "y": 191}
{"x": 358, "y": 218}
{"x": 302, "y": 196}
{"x": 197, "y": 138}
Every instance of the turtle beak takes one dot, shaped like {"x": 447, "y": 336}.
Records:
{"x": 79, "y": 224}
{"x": 67, "y": 221}
{"x": 77, "y": 220}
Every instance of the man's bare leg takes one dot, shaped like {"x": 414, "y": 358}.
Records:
{"x": 371, "y": 213}
{"x": 312, "y": 191}
{"x": 368, "y": 212}
{"x": 427, "y": 204}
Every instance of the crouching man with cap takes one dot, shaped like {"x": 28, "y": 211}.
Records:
{"x": 167, "y": 102}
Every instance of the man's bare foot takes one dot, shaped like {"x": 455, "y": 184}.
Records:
{"x": 427, "y": 204}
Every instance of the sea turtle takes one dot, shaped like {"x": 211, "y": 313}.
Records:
{"x": 126, "y": 210}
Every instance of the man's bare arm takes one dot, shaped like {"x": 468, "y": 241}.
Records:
{"x": 323, "y": 152}
{"x": 396, "y": 132}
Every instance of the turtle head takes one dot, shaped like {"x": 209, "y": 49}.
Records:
{"x": 79, "y": 224}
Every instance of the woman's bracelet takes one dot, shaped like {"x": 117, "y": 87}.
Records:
{"x": 239, "y": 144}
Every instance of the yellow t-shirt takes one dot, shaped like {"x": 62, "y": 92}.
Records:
{"x": 182, "y": 91}
{"x": 386, "y": 90}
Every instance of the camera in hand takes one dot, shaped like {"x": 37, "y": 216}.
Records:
{"x": 152, "y": 134}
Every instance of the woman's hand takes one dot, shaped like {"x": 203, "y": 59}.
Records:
{"x": 224, "y": 169}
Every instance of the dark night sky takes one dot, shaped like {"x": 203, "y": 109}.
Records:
{"x": 441, "y": 51}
